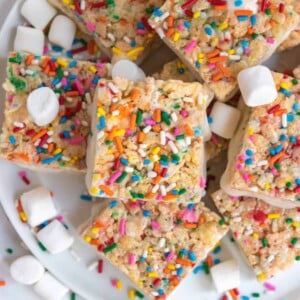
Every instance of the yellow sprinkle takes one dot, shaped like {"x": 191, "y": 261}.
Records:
{"x": 75, "y": 158}
{"x": 100, "y": 112}
{"x": 150, "y": 249}
{"x": 87, "y": 238}
{"x": 201, "y": 55}
{"x": 93, "y": 69}
{"x": 171, "y": 267}
{"x": 152, "y": 275}
{"x": 296, "y": 224}
{"x": 255, "y": 235}
{"x": 223, "y": 26}
{"x": 196, "y": 14}
{"x": 131, "y": 159}
{"x": 95, "y": 230}
{"x": 119, "y": 285}
{"x": 250, "y": 131}
{"x": 22, "y": 216}
{"x": 57, "y": 151}
{"x": 96, "y": 178}
{"x": 176, "y": 36}
{"x": 267, "y": 186}
{"x": 261, "y": 276}
{"x": 120, "y": 132}
{"x": 94, "y": 191}
{"x": 131, "y": 294}
{"x": 285, "y": 85}
{"x": 62, "y": 62}
{"x": 219, "y": 146}
{"x": 135, "y": 51}
{"x": 110, "y": 151}
{"x": 150, "y": 35}
{"x": 156, "y": 150}
{"x": 231, "y": 51}
{"x": 67, "y": 2}
{"x": 117, "y": 50}
{"x": 214, "y": 42}
{"x": 50, "y": 128}
{"x": 274, "y": 216}
{"x": 140, "y": 283}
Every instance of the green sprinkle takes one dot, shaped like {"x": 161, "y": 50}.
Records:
{"x": 139, "y": 117}
{"x": 255, "y": 35}
{"x": 164, "y": 158}
{"x": 166, "y": 118}
{"x": 17, "y": 59}
{"x": 221, "y": 222}
{"x": 294, "y": 81}
{"x": 59, "y": 73}
{"x": 289, "y": 221}
{"x": 139, "y": 294}
{"x": 180, "y": 137}
{"x": 19, "y": 84}
{"x": 255, "y": 295}
{"x": 107, "y": 142}
{"x": 110, "y": 248}
{"x": 268, "y": 11}
{"x": 73, "y": 296}
{"x": 264, "y": 242}
{"x": 178, "y": 221}
{"x": 149, "y": 10}
{"x": 42, "y": 247}
{"x": 122, "y": 177}
{"x": 62, "y": 163}
{"x": 140, "y": 195}
{"x": 294, "y": 241}
{"x": 133, "y": 195}
{"x": 182, "y": 191}
{"x": 205, "y": 267}
{"x": 115, "y": 214}
{"x": 175, "y": 157}
{"x": 9, "y": 251}
{"x": 288, "y": 184}
{"x": 277, "y": 165}
{"x": 213, "y": 25}
{"x": 298, "y": 257}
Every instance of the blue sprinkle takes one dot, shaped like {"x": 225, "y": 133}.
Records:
{"x": 290, "y": 117}
{"x": 179, "y": 271}
{"x": 191, "y": 206}
{"x": 285, "y": 92}
{"x": 249, "y": 152}
{"x": 73, "y": 63}
{"x": 66, "y": 134}
{"x": 95, "y": 80}
{"x": 72, "y": 127}
{"x": 133, "y": 44}
{"x": 253, "y": 20}
{"x": 49, "y": 160}
{"x": 279, "y": 148}
{"x": 238, "y": 3}
{"x": 293, "y": 139}
{"x": 124, "y": 161}
{"x": 217, "y": 250}
{"x": 56, "y": 48}
{"x": 55, "y": 81}
{"x": 113, "y": 204}
{"x": 39, "y": 150}
{"x": 244, "y": 44}
{"x": 243, "y": 18}
{"x": 12, "y": 140}
{"x": 161, "y": 291}
{"x": 197, "y": 131}
{"x": 163, "y": 162}
{"x": 184, "y": 251}
{"x": 140, "y": 25}
{"x": 248, "y": 161}
{"x": 146, "y": 213}
{"x": 272, "y": 151}
{"x": 54, "y": 58}
{"x": 217, "y": 261}
{"x": 147, "y": 161}
{"x": 208, "y": 30}
{"x": 63, "y": 120}
{"x": 197, "y": 64}
{"x": 210, "y": 120}
{"x": 296, "y": 106}
{"x": 181, "y": 70}
{"x": 192, "y": 256}
{"x": 174, "y": 192}
{"x": 282, "y": 137}
{"x": 148, "y": 269}
{"x": 198, "y": 269}
{"x": 135, "y": 178}
{"x": 187, "y": 24}
{"x": 69, "y": 54}
{"x": 297, "y": 181}
{"x": 102, "y": 123}
{"x": 245, "y": 298}
{"x": 87, "y": 198}
{"x": 158, "y": 12}
{"x": 142, "y": 258}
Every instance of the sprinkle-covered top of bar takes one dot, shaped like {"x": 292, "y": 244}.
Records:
{"x": 268, "y": 236}
{"x": 149, "y": 140}
{"x": 62, "y": 143}
{"x": 155, "y": 244}
{"x": 219, "y": 38}
{"x": 269, "y": 158}
{"x": 121, "y": 27}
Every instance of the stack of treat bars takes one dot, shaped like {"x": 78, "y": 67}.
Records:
{"x": 145, "y": 142}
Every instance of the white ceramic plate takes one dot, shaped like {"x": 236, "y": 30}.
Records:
{"x": 67, "y": 190}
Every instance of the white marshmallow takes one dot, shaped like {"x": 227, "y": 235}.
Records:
{"x": 246, "y": 4}
{"x": 26, "y": 270}
{"x": 38, "y": 206}
{"x": 49, "y": 288}
{"x": 206, "y": 130}
{"x": 43, "y": 106}
{"x": 226, "y": 275}
{"x": 29, "y": 40}
{"x": 127, "y": 69}
{"x": 225, "y": 119}
{"x": 38, "y": 13}
{"x": 62, "y": 32}
{"x": 55, "y": 237}
{"x": 257, "y": 86}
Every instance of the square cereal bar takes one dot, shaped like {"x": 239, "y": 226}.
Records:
{"x": 217, "y": 39}
{"x": 62, "y": 144}
{"x": 155, "y": 244}
{"x": 119, "y": 27}
{"x": 264, "y": 156}
{"x": 267, "y": 236}
{"x": 147, "y": 140}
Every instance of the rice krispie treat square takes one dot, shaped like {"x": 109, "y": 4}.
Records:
{"x": 155, "y": 244}
{"x": 264, "y": 155}
{"x": 147, "y": 140}
{"x": 267, "y": 236}
{"x": 61, "y": 145}
{"x": 120, "y": 28}
{"x": 218, "y": 39}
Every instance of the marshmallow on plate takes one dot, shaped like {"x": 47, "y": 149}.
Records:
{"x": 38, "y": 206}
{"x": 225, "y": 119}
{"x": 127, "y": 69}
{"x": 26, "y": 270}
{"x": 49, "y": 288}
{"x": 257, "y": 86}
{"x": 55, "y": 237}
{"x": 62, "y": 32}
{"x": 38, "y": 13}
{"x": 29, "y": 40}
{"x": 43, "y": 106}
{"x": 226, "y": 275}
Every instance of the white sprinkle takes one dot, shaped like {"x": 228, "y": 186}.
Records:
{"x": 178, "y": 266}
{"x": 188, "y": 99}
{"x": 100, "y": 135}
{"x": 147, "y": 129}
{"x": 37, "y": 142}
{"x": 145, "y": 253}
{"x": 93, "y": 265}
{"x": 161, "y": 242}
{"x": 237, "y": 219}
{"x": 59, "y": 85}
{"x": 113, "y": 88}
{"x": 115, "y": 113}
{"x": 19, "y": 124}
{"x": 167, "y": 250}
{"x": 114, "y": 100}
{"x": 262, "y": 163}
{"x": 188, "y": 140}
{"x": 127, "y": 39}
{"x": 50, "y": 132}
{"x": 163, "y": 139}
{"x": 163, "y": 190}
{"x": 164, "y": 16}
{"x": 151, "y": 174}
{"x": 284, "y": 120}
{"x": 45, "y": 146}
{"x": 35, "y": 62}
{"x": 234, "y": 57}
{"x": 270, "y": 258}
{"x": 143, "y": 146}
{"x": 155, "y": 157}
{"x": 111, "y": 37}
{"x": 22, "y": 71}
{"x": 154, "y": 293}
{"x": 173, "y": 147}
{"x": 142, "y": 153}
{"x": 29, "y": 72}
{"x": 66, "y": 158}
{"x": 69, "y": 99}
{"x": 174, "y": 117}
{"x": 129, "y": 169}
{"x": 50, "y": 140}
{"x": 66, "y": 73}
{"x": 223, "y": 53}
{"x": 170, "y": 136}
{"x": 75, "y": 255}
{"x": 84, "y": 123}
{"x": 160, "y": 32}
{"x": 171, "y": 187}
{"x": 82, "y": 5}
{"x": 155, "y": 188}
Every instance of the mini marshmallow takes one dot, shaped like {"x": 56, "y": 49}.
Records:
{"x": 225, "y": 119}
{"x": 49, "y": 288}
{"x": 55, "y": 237}
{"x": 226, "y": 275}
{"x": 62, "y": 32}
{"x": 43, "y": 106}
{"x": 38, "y": 206}
{"x": 38, "y": 13}
{"x": 206, "y": 130}
{"x": 29, "y": 40}
{"x": 127, "y": 69}
{"x": 26, "y": 270}
{"x": 257, "y": 86}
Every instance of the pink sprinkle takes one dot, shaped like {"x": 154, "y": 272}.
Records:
{"x": 24, "y": 178}
{"x": 234, "y": 198}
{"x": 251, "y": 138}
{"x": 247, "y": 51}
{"x": 113, "y": 282}
{"x": 131, "y": 259}
{"x": 77, "y": 121}
{"x": 114, "y": 177}
{"x": 10, "y": 98}
{"x": 239, "y": 167}
{"x": 141, "y": 31}
{"x": 170, "y": 256}
{"x": 159, "y": 197}
{"x": 202, "y": 182}
{"x": 150, "y": 122}
{"x": 184, "y": 113}
{"x": 79, "y": 87}
{"x": 270, "y": 40}
{"x": 76, "y": 140}
{"x": 274, "y": 171}
{"x": 176, "y": 131}
{"x": 181, "y": 27}
{"x": 214, "y": 139}
{"x": 134, "y": 205}
{"x": 155, "y": 225}
{"x": 128, "y": 131}
{"x": 64, "y": 81}
{"x": 190, "y": 46}
{"x": 91, "y": 26}
{"x": 59, "y": 218}
{"x": 241, "y": 157}
{"x": 212, "y": 66}
{"x": 122, "y": 228}
{"x": 188, "y": 215}
{"x": 270, "y": 286}
{"x": 246, "y": 177}
{"x": 46, "y": 50}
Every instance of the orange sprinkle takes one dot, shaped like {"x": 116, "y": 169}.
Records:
{"x": 224, "y": 70}
{"x": 103, "y": 19}
{"x": 218, "y": 59}
{"x": 156, "y": 167}
{"x": 47, "y": 69}
{"x": 190, "y": 225}
{"x": 156, "y": 128}
{"x": 209, "y": 261}
{"x": 132, "y": 122}
{"x": 19, "y": 206}
{"x": 45, "y": 62}
{"x": 250, "y": 30}
{"x": 184, "y": 262}
{"x": 123, "y": 21}
{"x": 111, "y": 134}
{"x": 91, "y": 46}
{"x": 95, "y": 242}
{"x": 157, "y": 115}
{"x": 243, "y": 12}
{"x": 39, "y": 135}
{"x": 29, "y": 59}
{"x": 170, "y": 21}
{"x": 167, "y": 271}
{"x": 214, "y": 53}
{"x": 2, "y": 283}
{"x": 118, "y": 143}
{"x": 72, "y": 94}
{"x": 280, "y": 112}
{"x": 170, "y": 32}
{"x": 233, "y": 295}
{"x": 134, "y": 94}
{"x": 157, "y": 179}
{"x": 189, "y": 131}
{"x": 149, "y": 195}
{"x": 106, "y": 190}
{"x": 217, "y": 76}
{"x": 22, "y": 156}
{"x": 113, "y": 107}
{"x": 174, "y": 281}
{"x": 220, "y": 7}
{"x": 276, "y": 157}
{"x": 170, "y": 197}
{"x": 201, "y": 220}
{"x": 141, "y": 136}
{"x": 50, "y": 148}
